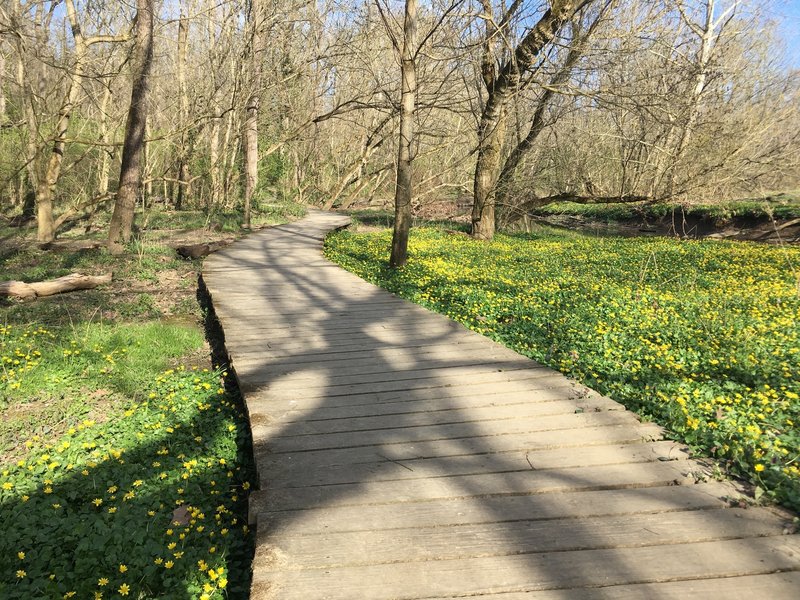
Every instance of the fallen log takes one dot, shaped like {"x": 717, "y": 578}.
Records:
{"x": 200, "y": 250}
{"x": 68, "y": 283}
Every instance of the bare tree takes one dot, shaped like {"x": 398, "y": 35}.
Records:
{"x": 3, "y": 114}
{"x": 501, "y": 85}
{"x": 130, "y": 177}
{"x": 46, "y": 185}
{"x": 183, "y": 145}
{"x": 404, "y": 190}
{"x": 511, "y": 104}
{"x": 579, "y": 40}
{"x": 257, "y": 33}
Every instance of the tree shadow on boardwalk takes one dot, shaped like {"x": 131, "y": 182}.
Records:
{"x": 401, "y": 456}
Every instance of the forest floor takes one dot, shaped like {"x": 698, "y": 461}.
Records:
{"x": 772, "y": 218}
{"x": 105, "y": 421}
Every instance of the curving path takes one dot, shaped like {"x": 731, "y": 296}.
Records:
{"x": 402, "y": 456}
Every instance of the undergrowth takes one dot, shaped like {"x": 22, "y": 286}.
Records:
{"x": 778, "y": 206}
{"x": 124, "y": 458}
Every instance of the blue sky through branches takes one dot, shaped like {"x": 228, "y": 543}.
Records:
{"x": 788, "y": 12}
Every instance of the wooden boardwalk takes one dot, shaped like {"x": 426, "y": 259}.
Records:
{"x": 401, "y": 456}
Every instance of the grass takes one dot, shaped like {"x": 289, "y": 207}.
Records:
{"x": 147, "y": 505}
{"x": 119, "y": 450}
{"x": 779, "y": 206}
{"x": 124, "y": 458}
{"x": 366, "y": 219}
{"x": 225, "y": 221}
{"x": 702, "y": 337}
{"x": 52, "y": 379}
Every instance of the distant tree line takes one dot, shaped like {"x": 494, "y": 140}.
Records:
{"x": 335, "y": 103}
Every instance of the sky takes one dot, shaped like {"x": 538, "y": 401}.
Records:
{"x": 786, "y": 12}
{"x": 789, "y": 12}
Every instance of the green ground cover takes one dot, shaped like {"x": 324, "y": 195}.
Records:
{"x": 124, "y": 457}
{"x": 147, "y": 504}
{"x": 702, "y": 337}
{"x": 134, "y": 482}
{"x": 778, "y": 206}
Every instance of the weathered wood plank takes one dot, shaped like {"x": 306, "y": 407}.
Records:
{"x": 271, "y": 354}
{"x": 437, "y": 398}
{"x": 284, "y": 473}
{"x": 332, "y": 382}
{"x": 270, "y": 324}
{"x": 286, "y": 439}
{"x": 464, "y": 348}
{"x": 529, "y": 483}
{"x": 418, "y": 411}
{"x": 513, "y": 381}
{"x": 371, "y": 364}
{"x": 463, "y": 511}
{"x": 416, "y": 544}
{"x": 405, "y": 450}
{"x": 545, "y": 571}
{"x": 748, "y": 587}
{"x": 401, "y": 452}
{"x": 301, "y": 437}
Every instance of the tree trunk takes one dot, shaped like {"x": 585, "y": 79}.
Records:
{"x": 538, "y": 123}
{"x": 492, "y": 134}
{"x": 28, "y": 192}
{"x": 214, "y": 160}
{"x": 183, "y": 151}
{"x": 707, "y": 39}
{"x": 130, "y": 172}
{"x": 3, "y": 115}
{"x": 105, "y": 161}
{"x": 501, "y": 89}
{"x": 147, "y": 164}
{"x": 251, "y": 119}
{"x": 230, "y": 179}
{"x": 404, "y": 190}
{"x": 45, "y": 189}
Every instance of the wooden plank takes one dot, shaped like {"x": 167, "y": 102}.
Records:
{"x": 468, "y": 348}
{"x": 475, "y": 486}
{"x": 316, "y": 417}
{"x": 506, "y": 382}
{"x": 546, "y": 571}
{"x": 499, "y": 371}
{"x": 286, "y": 439}
{"x": 404, "y": 450}
{"x": 416, "y": 544}
{"x": 284, "y": 473}
{"x": 269, "y": 293}
{"x": 322, "y": 346}
{"x": 402, "y": 362}
{"x": 447, "y": 415}
{"x": 268, "y": 323}
{"x": 368, "y": 312}
{"x": 774, "y": 586}
{"x": 494, "y": 509}
{"x": 281, "y": 353}
{"x": 438, "y": 397}
{"x": 304, "y": 310}
{"x": 326, "y": 357}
